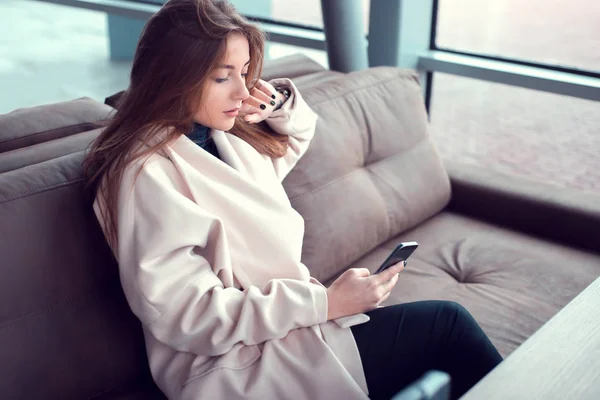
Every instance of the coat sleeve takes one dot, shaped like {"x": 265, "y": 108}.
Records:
{"x": 296, "y": 119}
{"x": 166, "y": 247}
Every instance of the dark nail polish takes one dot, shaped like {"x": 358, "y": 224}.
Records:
{"x": 262, "y": 106}
{"x": 273, "y": 96}
{"x": 272, "y": 103}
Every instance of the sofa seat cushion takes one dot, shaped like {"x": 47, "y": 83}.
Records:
{"x": 510, "y": 282}
{"x": 29, "y": 126}
{"x": 371, "y": 171}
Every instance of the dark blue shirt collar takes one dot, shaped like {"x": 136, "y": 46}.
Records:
{"x": 199, "y": 134}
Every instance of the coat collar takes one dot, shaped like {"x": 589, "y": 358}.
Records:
{"x": 201, "y": 160}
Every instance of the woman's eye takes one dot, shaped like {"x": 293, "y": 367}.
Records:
{"x": 221, "y": 80}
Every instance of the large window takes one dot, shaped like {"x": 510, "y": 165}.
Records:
{"x": 555, "y": 32}
{"x": 538, "y": 135}
{"x": 303, "y": 12}
{"x": 532, "y": 133}
{"x": 298, "y": 12}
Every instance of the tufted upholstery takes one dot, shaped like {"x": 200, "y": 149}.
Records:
{"x": 511, "y": 283}
{"x": 372, "y": 178}
{"x": 371, "y": 171}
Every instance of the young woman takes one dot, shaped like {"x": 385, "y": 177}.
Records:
{"x": 187, "y": 180}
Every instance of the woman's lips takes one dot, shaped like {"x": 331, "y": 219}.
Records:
{"x": 233, "y": 112}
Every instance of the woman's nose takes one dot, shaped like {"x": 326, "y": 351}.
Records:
{"x": 242, "y": 92}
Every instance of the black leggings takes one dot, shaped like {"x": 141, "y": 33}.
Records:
{"x": 402, "y": 342}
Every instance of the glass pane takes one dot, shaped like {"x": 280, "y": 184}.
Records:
{"x": 302, "y": 12}
{"x": 539, "y": 135}
{"x": 279, "y": 50}
{"x": 556, "y": 32}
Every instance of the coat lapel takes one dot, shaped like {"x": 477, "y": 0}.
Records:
{"x": 230, "y": 172}
{"x": 227, "y": 152}
{"x": 229, "y": 167}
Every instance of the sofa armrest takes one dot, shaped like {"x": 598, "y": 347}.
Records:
{"x": 568, "y": 216}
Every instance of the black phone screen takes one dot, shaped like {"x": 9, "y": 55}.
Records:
{"x": 400, "y": 253}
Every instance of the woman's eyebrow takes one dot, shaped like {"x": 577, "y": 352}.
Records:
{"x": 227, "y": 66}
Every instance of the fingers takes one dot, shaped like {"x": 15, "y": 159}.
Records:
{"x": 252, "y": 110}
{"x": 266, "y": 88}
{"x": 259, "y": 100}
{"x": 389, "y": 285}
{"x": 255, "y": 106}
{"x": 260, "y": 104}
{"x": 253, "y": 118}
{"x": 389, "y": 273}
{"x": 363, "y": 272}
{"x": 252, "y": 105}
{"x": 360, "y": 272}
{"x": 384, "y": 298}
{"x": 386, "y": 288}
{"x": 263, "y": 97}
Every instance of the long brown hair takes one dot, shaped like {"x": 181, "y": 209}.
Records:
{"x": 179, "y": 46}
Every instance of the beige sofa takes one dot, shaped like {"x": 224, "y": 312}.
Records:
{"x": 513, "y": 252}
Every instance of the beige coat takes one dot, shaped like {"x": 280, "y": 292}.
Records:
{"x": 209, "y": 257}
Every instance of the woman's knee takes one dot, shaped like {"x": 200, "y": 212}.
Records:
{"x": 444, "y": 316}
{"x": 445, "y": 309}
{"x": 456, "y": 310}
{"x": 458, "y": 316}
{"x": 464, "y": 329}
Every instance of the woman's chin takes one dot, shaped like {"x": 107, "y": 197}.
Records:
{"x": 226, "y": 124}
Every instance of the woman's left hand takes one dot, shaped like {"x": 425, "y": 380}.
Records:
{"x": 261, "y": 103}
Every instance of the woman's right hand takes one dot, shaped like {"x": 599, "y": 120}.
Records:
{"x": 357, "y": 291}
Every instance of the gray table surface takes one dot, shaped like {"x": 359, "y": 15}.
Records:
{"x": 560, "y": 361}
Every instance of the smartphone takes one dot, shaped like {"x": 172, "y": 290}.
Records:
{"x": 400, "y": 253}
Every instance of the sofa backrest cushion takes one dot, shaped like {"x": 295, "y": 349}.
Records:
{"x": 29, "y": 126}
{"x": 291, "y": 66}
{"x": 372, "y": 170}
{"x": 40, "y": 152}
{"x": 66, "y": 329}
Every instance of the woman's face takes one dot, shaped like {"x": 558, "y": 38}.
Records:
{"x": 226, "y": 86}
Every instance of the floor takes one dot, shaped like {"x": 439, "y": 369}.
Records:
{"x": 51, "y": 53}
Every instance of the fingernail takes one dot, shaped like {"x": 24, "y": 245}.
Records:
{"x": 262, "y": 106}
{"x": 273, "y": 96}
{"x": 272, "y": 103}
